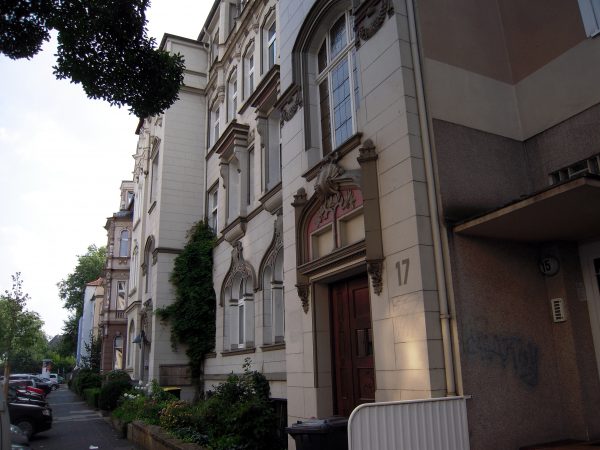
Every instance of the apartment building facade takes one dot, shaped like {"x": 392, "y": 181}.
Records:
{"x": 168, "y": 185}
{"x": 404, "y": 194}
{"x": 112, "y": 324}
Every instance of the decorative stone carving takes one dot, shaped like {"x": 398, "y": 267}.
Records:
{"x": 291, "y": 106}
{"x": 303, "y": 293}
{"x": 367, "y": 152}
{"x": 325, "y": 185}
{"x": 369, "y": 18}
{"x": 239, "y": 266}
{"x": 251, "y": 136}
{"x": 375, "y": 269}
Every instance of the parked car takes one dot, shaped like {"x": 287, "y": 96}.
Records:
{"x": 37, "y": 382}
{"x": 29, "y": 386}
{"x": 30, "y": 418}
{"x": 18, "y": 439}
{"x": 24, "y": 396}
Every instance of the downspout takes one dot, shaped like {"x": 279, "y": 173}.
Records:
{"x": 440, "y": 245}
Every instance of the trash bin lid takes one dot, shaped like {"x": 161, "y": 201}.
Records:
{"x": 317, "y": 425}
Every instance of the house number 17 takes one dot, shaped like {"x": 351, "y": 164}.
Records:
{"x": 402, "y": 268}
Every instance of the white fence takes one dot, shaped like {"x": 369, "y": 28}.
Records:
{"x": 432, "y": 424}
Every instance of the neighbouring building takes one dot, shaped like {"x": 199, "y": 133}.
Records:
{"x": 244, "y": 191}
{"x": 169, "y": 190}
{"x": 113, "y": 322}
{"x": 405, "y": 196}
{"x": 88, "y": 322}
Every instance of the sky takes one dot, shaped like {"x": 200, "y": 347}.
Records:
{"x": 62, "y": 160}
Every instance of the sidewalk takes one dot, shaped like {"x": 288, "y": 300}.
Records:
{"x": 76, "y": 426}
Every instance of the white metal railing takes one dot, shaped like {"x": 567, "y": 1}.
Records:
{"x": 431, "y": 424}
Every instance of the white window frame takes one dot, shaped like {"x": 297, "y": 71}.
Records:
{"x": 232, "y": 96}
{"x": 213, "y": 207}
{"x": 121, "y": 290}
{"x": 124, "y": 243}
{"x": 249, "y": 64}
{"x": 590, "y": 14}
{"x": 348, "y": 54}
{"x": 215, "y": 117}
{"x": 269, "y": 43}
{"x": 115, "y": 349}
{"x": 154, "y": 180}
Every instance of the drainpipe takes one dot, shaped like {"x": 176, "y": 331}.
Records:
{"x": 440, "y": 245}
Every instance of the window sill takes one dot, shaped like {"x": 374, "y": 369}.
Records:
{"x": 352, "y": 143}
{"x": 273, "y": 347}
{"x": 241, "y": 351}
{"x": 131, "y": 292}
{"x": 152, "y": 207}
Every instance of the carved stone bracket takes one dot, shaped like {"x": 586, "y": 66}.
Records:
{"x": 375, "y": 269}
{"x": 291, "y": 102}
{"x": 303, "y": 293}
{"x": 369, "y": 18}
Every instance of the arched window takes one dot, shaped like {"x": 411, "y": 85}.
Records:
{"x": 124, "y": 244}
{"x": 337, "y": 84}
{"x": 148, "y": 263}
{"x": 237, "y": 300}
{"x": 271, "y": 277}
{"x": 326, "y": 73}
{"x": 118, "y": 353}
{"x": 135, "y": 266}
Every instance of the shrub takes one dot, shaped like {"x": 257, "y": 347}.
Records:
{"x": 86, "y": 379}
{"x": 239, "y": 414}
{"x": 116, "y": 375}
{"x": 135, "y": 405}
{"x": 91, "y": 396}
{"x": 111, "y": 392}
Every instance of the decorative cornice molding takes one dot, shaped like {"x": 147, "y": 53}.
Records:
{"x": 369, "y": 18}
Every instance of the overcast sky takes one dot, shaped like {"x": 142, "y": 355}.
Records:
{"x": 62, "y": 159}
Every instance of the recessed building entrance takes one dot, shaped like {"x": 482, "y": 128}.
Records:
{"x": 352, "y": 344}
{"x": 590, "y": 264}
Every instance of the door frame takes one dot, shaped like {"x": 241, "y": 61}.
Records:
{"x": 587, "y": 253}
{"x": 333, "y": 337}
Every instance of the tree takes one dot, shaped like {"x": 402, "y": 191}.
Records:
{"x": 19, "y": 329}
{"x": 93, "y": 354}
{"x": 90, "y": 267}
{"x": 102, "y": 45}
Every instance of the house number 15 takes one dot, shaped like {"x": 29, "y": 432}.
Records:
{"x": 402, "y": 268}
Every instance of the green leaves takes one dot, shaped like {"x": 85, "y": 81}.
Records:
{"x": 102, "y": 45}
{"x": 71, "y": 289}
{"x": 192, "y": 314}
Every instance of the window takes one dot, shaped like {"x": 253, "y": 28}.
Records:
{"x": 250, "y": 178}
{"x": 237, "y": 300}
{"x": 137, "y": 206}
{"x": 249, "y": 72}
{"x": 272, "y": 149}
{"x": 118, "y": 353}
{"x": 233, "y": 13}
{"x": 135, "y": 265}
{"x": 214, "y": 49}
{"x": 131, "y": 335}
{"x": 241, "y": 314}
{"x": 154, "y": 180}
{"x": 273, "y": 304}
{"x": 124, "y": 244}
{"x": 121, "y": 295}
{"x": 212, "y": 210}
{"x": 148, "y": 263}
{"x": 232, "y": 96}
{"x": 270, "y": 43}
{"x": 129, "y": 198}
{"x": 337, "y": 84}
{"x": 590, "y": 14}
{"x": 215, "y": 117}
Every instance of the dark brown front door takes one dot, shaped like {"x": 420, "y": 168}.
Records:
{"x": 354, "y": 375}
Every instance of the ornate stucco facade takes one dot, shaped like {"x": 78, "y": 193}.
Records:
{"x": 404, "y": 195}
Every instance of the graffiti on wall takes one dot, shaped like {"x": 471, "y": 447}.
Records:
{"x": 509, "y": 352}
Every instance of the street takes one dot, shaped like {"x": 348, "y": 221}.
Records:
{"x": 77, "y": 427}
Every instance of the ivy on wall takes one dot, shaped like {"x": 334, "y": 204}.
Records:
{"x": 192, "y": 314}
